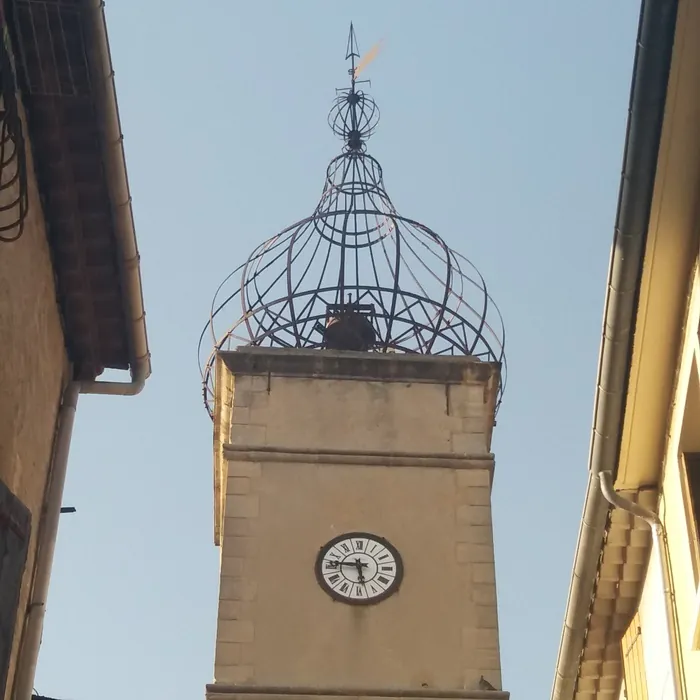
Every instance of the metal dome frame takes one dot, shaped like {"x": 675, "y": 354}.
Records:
{"x": 356, "y": 274}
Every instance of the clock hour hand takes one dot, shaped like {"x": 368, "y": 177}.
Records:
{"x": 334, "y": 563}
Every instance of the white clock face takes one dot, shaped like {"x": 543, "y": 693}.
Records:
{"x": 359, "y": 568}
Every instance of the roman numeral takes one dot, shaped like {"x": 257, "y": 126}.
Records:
{"x": 383, "y": 579}
{"x": 344, "y": 588}
{"x": 359, "y": 545}
{"x": 334, "y": 578}
{"x": 345, "y": 547}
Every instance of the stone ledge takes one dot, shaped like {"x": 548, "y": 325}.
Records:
{"x": 446, "y": 460}
{"x": 216, "y": 691}
{"x": 327, "y": 364}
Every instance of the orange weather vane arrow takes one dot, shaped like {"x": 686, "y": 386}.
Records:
{"x": 368, "y": 58}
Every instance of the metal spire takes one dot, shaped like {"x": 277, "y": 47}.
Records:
{"x": 352, "y": 53}
{"x": 354, "y": 115}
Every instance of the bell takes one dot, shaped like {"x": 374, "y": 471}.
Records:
{"x": 349, "y": 331}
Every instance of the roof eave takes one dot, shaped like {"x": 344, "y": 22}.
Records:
{"x": 120, "y": 195}
{"x": 647, "y": 103}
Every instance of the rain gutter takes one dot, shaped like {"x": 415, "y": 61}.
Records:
{"x": 644, "y": 126}
{"x": 120, "y": 196}
{"x": 46, "y": 546}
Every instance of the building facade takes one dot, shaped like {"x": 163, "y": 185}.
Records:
{"x": 316, "y": 447}
{"x": 632, "y": 620}
{"x": 70, "y": 290}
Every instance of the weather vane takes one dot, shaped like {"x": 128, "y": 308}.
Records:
{"x": 352, "y": 53}
{"x": 355, "y": 275}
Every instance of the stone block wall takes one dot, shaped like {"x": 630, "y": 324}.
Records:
{"x": 311, "y": 457}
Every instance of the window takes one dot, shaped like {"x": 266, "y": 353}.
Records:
{"x": 635, "y": 681}
{"x": 692, "y": 484}
{"x": 14, "y": 540}
{"x": 692, "y": 479}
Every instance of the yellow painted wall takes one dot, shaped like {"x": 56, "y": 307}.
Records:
{"x": 684, "y": 436}
{"x": 657, "y": 654}
{"x": 662, "y": 417}
{"x": 681, "y": 562}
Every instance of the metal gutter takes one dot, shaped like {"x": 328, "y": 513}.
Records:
{"x": 48, "y": 531}
{"x": 644, "y": 126}
{"x": 120, "y": 196}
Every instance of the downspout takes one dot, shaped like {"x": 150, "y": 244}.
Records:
{"x": 120, "y": 196}
{"x": 660, "y": 546}
{"x": 647, "y": 103}
{"x": 34, "y": 620}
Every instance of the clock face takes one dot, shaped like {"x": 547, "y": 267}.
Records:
{"x": 359, "y": 568}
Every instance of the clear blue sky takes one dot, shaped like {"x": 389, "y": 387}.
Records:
{"x": 502, "y": 129}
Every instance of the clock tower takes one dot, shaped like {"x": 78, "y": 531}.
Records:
{"x": 353, "y": 407}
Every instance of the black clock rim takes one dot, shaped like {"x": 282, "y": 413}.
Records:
{"x": 393, "y": 588}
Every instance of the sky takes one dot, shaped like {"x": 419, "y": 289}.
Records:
{"x": 502, "y": 129}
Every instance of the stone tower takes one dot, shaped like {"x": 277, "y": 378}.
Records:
{"x": 352, "y": 455}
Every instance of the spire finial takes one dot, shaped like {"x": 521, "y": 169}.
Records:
{"x": 354, "y": 115}
{"x": 352, "y": 53}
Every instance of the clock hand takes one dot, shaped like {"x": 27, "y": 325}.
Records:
{"x": 360, "y": 576}
{"x": 334, "y": 563}
{"x": 358, "y": 563}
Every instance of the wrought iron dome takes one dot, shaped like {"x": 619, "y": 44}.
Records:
{"x": 356, "y": 274}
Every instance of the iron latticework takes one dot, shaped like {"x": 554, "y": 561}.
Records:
{"x": 356, "y": 275}
{"x": 14, "y": 197}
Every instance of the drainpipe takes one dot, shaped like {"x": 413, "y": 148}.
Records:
{"x": 660, "y": 546}
{"x": 647, "y": 103}
{"x": 120, "y": 196}
{"x": 48, "y": 530}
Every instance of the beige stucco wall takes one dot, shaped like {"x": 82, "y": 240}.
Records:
{"x": 32, "y": 371}
{"x": 425, "y": 485}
